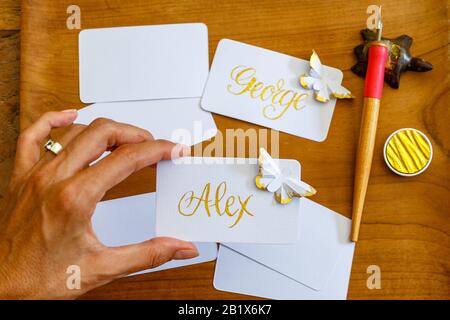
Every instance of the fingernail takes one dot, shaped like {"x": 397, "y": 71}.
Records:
{"x": 70, "y": 110}
{"x": 185, "y": 254}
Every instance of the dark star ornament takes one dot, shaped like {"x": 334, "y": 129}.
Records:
{"x": 399, "y": 57}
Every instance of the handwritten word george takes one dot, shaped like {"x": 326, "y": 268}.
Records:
{"x": 280, "y": 98}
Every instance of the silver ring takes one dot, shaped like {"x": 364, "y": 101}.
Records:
{"x": 53, "y": 146}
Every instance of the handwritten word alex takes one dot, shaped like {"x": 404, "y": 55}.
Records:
{"x": 189, "y": 203}
{"x": 280, "y": 98}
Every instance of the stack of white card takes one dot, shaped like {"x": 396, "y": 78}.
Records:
{"x": 310, "y": 256}
{"x": 148, "y": 76}
{"x": 153, "y": 77}
{"x": 317, "y": 266}
{"x": 300, "y": 250}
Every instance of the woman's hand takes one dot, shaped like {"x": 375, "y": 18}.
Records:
{"x": 46, "y": 224}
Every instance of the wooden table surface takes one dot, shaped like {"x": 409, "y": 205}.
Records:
{"x": 9, "y": 88}
{"x": 406, "y": 224}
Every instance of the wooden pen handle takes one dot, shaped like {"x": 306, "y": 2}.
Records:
{"x": 373, "y": 89}
{"x": 364, "y": 157}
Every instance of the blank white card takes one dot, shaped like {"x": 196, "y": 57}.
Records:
{"x": 143, "y": 63}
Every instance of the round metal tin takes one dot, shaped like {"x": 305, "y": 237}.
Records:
{"x": 408, "y": 152}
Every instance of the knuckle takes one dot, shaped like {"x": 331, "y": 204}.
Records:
{"x": 161, "y": 142}
{"x": 47, "y": 115}
{"x": 66, "y": 197}
{"x": 24, "y": 138}
{"x": 128, "y": 153}
{"x": 144, "y": 135}
{"x": 101, "y": 122}
{"x": 149, "y": 134}
{"x": 155, "y": 257}
{"x": 106, "y": 127}
{"x": 78, "y": 127}
{"x": 39, "y": 180}
{"x": 165, "y": 144}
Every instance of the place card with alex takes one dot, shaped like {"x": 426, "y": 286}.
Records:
{"x": 273, "y": 89}
{"x": 217, "y": 200}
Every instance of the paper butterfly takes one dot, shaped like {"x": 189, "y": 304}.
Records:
{"x": 323, "y": 87}
{"x": 271, "y": 179}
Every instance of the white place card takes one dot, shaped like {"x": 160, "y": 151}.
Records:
{"x": 315, "y": 253}
{"x": 178, "y": 120}
{"x": 263, "y": 87}
{"x": 143, "y": 62}
{"x": 216, "y": 199}
{"x": 318, "y": 266}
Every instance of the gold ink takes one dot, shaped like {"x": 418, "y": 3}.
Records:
{"x": 189, "y": 201}
{"x": 237, "y": 76}
{"x": 282, "y": 99}
{"x": 219, "y": 197}
{"x": 263, "y": 92}
{"x": 242, "y": 210}
{"x": 203, "y": 198}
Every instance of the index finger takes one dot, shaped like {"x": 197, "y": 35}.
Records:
{"x": 124, "y": 161}
{"x": 101, "y": 135}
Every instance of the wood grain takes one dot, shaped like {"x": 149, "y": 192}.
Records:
{"x": 9, "y": 88}
{"x": 405, "y": 228}
{"x": 10, "y": 15}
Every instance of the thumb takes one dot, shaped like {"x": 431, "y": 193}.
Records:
{"x": 148, "y": 254}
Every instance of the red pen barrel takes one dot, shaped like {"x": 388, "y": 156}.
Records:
{"x": 372, "y": 95}
{"x": 373, "y": 87}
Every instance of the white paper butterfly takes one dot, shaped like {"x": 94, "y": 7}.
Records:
{"x": 323, "y": 87}
{"x": 271, "y": 179}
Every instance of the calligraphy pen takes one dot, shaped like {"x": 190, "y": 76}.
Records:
{"x": 373, "y": 87}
